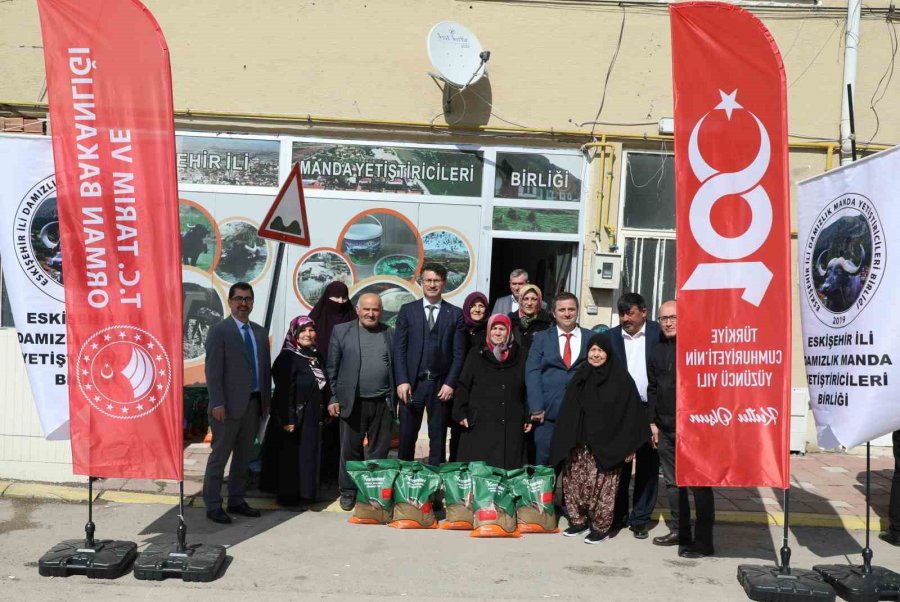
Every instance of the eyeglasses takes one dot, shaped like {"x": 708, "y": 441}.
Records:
{"x": 668, "y": 318}
{"x": 432, "y": 281}
{"x": 238, "y": 299}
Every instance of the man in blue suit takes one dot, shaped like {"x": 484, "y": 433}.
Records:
{"x": 633, "y": 341}
{"x": 429, "y": 349}
{"x": 554, "y": 356}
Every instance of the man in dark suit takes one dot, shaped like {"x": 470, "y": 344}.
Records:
{"x": 554, "y": 356}
{"x": 633, "y": 341}
{"x": 240, "y": 388}
{"x": 429, "y": 349}
{"x": 362, "y": 391}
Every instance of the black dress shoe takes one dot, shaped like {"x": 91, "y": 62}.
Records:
{"x": 640, "y": 531}
{"x": 244, "y": 510}
{"x": 669, "y": 539}
{"x": 218, "y": 516}
{"x": 347, "y": 501}
{"x": 695, "y": 552}
{"x": 890, "y": 537}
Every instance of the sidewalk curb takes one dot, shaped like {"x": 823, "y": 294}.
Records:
{"x": 67, "y": 493}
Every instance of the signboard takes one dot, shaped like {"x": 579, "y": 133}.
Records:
{"x": 538, "y": 176}
{"x": 286, "y": 220}
{"x": 227, "y": 161}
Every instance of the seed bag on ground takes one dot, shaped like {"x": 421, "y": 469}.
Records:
{"x": 413, "y": 490}
{"x": 457, "y": 480}
{"x": 533, "y": 486}
{"x": 493, "y": 503}
{"x": 374, "y": 481}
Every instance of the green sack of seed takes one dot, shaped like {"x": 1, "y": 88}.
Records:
{"x": 374, "y": 481}
{"x": 493, "y": 503}
{"x": 413, "y": 490}
{"x": 533, "y": 486}
{"x": 457, "y": 480}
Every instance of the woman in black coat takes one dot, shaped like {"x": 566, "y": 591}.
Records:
{"x": 530, "y": 318}
{"x": 489, "y": 401}
{"x": 293, "y": 442}
{"x": 475, "y": 315}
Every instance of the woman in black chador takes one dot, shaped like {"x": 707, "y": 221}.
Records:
{"x": 601, "y": 424}
{"x": 293, "y": 441}
{"x": 489, "y": 402}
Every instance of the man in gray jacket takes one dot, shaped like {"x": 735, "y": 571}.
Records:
{"x": 360, "y": 370}
{"x": 240, "y": 388}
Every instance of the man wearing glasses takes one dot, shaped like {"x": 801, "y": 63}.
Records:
{"x": 239, "y": 384}
{"x": 661, "y": 398}
{"x": 429, "y": 349}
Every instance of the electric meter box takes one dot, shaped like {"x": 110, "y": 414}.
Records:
{"x": 606, "y": 271}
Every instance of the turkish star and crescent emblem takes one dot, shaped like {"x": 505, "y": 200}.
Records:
{"x": 124, "y": 372}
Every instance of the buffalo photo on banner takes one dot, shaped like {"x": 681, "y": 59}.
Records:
{"x": 733, "y": 249}
{"x": 110, "y": 95}
{"x": 844, "y": 221}
{"x": 33, "y": 270}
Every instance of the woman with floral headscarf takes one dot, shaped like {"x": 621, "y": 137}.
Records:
{"x": 489, "y": 402}
{"x": 290, "y": 456}
{"x": 530, "y": 318}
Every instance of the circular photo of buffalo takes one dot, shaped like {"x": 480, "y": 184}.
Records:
{"x": 203, "y": 307}
{"x": 382, "y": 241}
{"x": 200, "y": 242}
{"x": 45, "y": 239}
{"x": 316, "y": 270}
{"x": 450, "y": 249}
{"x": 244, "y": 253}
{"x": 394, "y": 292}
{"x": 842, "y": 260}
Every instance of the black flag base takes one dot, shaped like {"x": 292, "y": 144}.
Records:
{"x": 856, "y": 584}
{"x": 105, "y": 559}
{"x": 97, "y": 559}
{"x": 772, "y": 584}
{"x": 198, "y": 562}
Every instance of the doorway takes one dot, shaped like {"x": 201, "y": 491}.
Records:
{"x": 548, "y": 263}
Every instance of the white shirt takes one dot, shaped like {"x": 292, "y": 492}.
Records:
{"x": 574, "y": 343}
{"x": 636, "y": 357}
{"x": 426, "y": 304}
{"x": 515, "y": 305}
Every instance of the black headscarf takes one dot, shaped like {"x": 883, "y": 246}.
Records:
{"x": 601, "y": 409}
{"x": 327, "y": 314}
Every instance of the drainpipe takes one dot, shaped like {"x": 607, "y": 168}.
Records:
{"x": 851, "y": 48}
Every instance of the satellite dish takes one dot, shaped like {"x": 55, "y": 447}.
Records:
{"x": 456, "y": 54}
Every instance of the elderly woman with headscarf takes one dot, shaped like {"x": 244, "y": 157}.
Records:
{"x": 290, "y": 456}
{"x": 332, "y": 308}
{"x": 601, "y": 424}
{"x": 530, "y": 318}
{"x": 489, "y": 402}
{"x": 475, "y": 314}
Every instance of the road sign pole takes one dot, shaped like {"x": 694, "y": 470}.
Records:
{"x": 270, "y": 305}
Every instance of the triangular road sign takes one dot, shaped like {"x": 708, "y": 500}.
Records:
{"x": 286, "y": 219}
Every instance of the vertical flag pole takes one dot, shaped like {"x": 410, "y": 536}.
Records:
{"x": 785, "y": 547}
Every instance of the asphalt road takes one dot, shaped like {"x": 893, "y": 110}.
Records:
{"x": 293, "y": 555}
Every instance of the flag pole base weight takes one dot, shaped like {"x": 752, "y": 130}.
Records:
{"x": 854, "y": 584}
{"x": 106, "y": 559}
{"x": 765, "y": 583}
{"x": 198, "y": 562}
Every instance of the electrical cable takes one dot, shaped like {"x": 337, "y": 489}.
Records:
{"x": 612, "y": 63}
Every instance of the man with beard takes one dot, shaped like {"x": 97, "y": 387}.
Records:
{"x": 633, "y": 341}
{"x": 661, "y": 400}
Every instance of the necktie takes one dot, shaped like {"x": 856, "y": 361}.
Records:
{"x": 567, "y": 351}
{"x": 248, "y": 343}
{"x": 431, "y": 309}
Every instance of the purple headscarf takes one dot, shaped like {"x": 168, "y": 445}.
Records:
{"x": 467, "y": 307}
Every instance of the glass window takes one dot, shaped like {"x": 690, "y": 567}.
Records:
{"x": 649, "y": 191}
{"x": 649, "y": 269}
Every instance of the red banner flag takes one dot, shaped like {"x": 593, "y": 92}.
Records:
{"x": 110, "y": 93}
{"x": 733, "y": 249}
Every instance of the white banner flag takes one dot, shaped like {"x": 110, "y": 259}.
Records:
{"x": 32, "y": 268}
{"x": 845, "y": 220}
